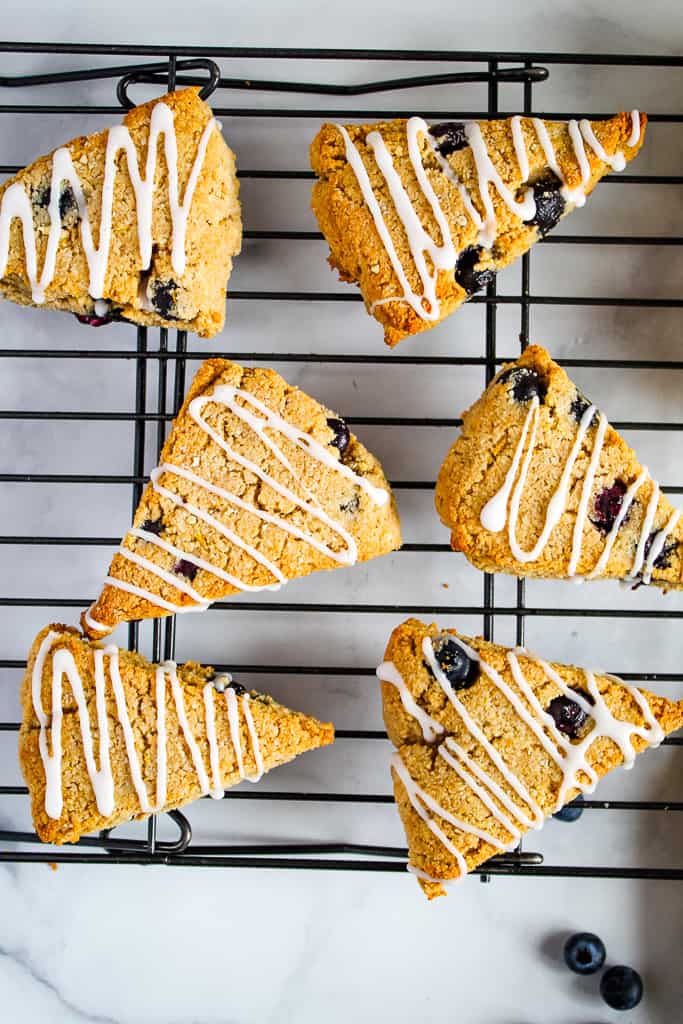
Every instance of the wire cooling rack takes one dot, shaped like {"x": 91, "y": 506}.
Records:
{"x": 166, "y": 352}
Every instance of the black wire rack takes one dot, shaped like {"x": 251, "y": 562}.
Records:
{"x": 168, "y": 67}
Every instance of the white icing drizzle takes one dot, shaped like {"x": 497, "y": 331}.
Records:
{"x": 520, "y": 146}
{"x": 93, "y": 624}
{"x": 658, "y": 542}
{"x": 429, "y": 256}
{"x": 16, "y": 204}
{"x": 495, "y": 514}
{"x": 431, "y": 729}
{"x": 259, "y": 418}
{"x": 634, "y": 137}
{"x": 586, "y": 491}
{"x": 645, "y": 530}
{"x": 488, "y": 175}
{"x": 570, "y": 757}
{"x": 101, "y": 777}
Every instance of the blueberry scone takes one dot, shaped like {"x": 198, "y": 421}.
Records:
{"x": 421, "y": 217}
{"x": 257, "y": 484}
{"x": 106, "y": 736}
{"x": 137, "y": 223}
{"x": 539, "y": 484}
{"x": 491, "y": 741}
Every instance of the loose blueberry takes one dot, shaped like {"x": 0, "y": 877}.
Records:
{"x": 621, "y": 988}
{"x": 186, "y": 568}
{"x": 567, "y": 715}
{"x": 94, "y": 321}
{"x": 584, "y": 953}
{"x": 341, "y": 434}
{"x": 549, "y": 201}
{"x": 155, "y": 526}
{"x": 607, "y": 506}
{"x": 451, "y": 136}
{"x": 460, "y": 670}
{"x": 466, "y": 274}
{"x": 663, "y": 559}
{"x": 526, "y": 383}
{"x": 162, "y": 295}
{"x": 570, "y": 812}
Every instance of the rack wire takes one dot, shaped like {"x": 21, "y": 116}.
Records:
{"x": 167, "y": 67}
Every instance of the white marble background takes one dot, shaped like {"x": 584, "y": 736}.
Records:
{"x": 191, "y": 946}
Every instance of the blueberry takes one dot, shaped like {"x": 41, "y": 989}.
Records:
{"x": 567, "y": 715}
{"x": 162, "y": 295}
{"x": 351, "y": 506}
{"x": 663, "y": 559}
{"x": 607, "y": 505}
{"x": 467, "y": 276}
{"x": 584, "y": 953}
{"x": 238, "y": 689}
{"x": 451, "y": 136}
{"x": 341, "y": 433}
{"x": 572, "y": 811}
{"x": 549, "y": 201}
{"x": 578, "y": 406}
{"x": 186, "y": 568}
{"x": 526, "y": 383}
{"x": 155, "y": 526}
{"x": 621, "y": 988}
{"x": 67, "y": 202}
{"x": 94, "y": 321}
{"x": 460, "y": 670}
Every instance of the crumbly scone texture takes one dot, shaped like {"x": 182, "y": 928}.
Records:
{"x": 478, "y": 463}
{"x": 374, "y": 528}
{"x": 153, "y": 296}
{"x": 517, "y": 744}
{"x": 356, "y": 249}
{"x": 282, "y": 735}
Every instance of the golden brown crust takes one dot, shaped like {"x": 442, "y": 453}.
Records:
{"x": 375, "y": 528}
{"x": 197, "y": 299}
{"x": 515, "y": 741}
{"x": 282, "y": 735}
{"x": 356, "y": 249}
{"x": 478, "y": 462}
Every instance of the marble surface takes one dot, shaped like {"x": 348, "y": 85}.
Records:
{"x": 190, "y": 946}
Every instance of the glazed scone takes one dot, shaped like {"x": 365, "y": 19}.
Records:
{"x": 539, "y": 484}
{"x": 422, "y": 217}
{"x": 106, "y": 736}
{"x": 257, "y": 484}
{"x": 491, "y": 741}
{"x": 111, "y": 227}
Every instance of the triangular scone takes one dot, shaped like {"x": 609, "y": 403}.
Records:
{"x": 90, "y": 747}
{"x": 539, "y": 484}
{"x": 82, "y": 230}
{"x": 257, "y": 484}
{"x": 422, "y": 217}
{"x": 491, "y": 741}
